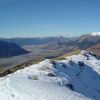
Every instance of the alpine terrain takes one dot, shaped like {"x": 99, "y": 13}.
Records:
{"x": 76, "y": 77}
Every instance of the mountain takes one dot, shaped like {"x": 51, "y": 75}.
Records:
{"x": 51, "y": 47}
{"x": 85, "y": 41}
{"x": 77, "y": 77}
{"x": 57, "y": 46}
{"x": 35, "y": 40}
{"x": 95, "y": 33}
{"x": 82, "y": 42}
{"x": 8, "y": 49}
{"x": 95, "y": 49}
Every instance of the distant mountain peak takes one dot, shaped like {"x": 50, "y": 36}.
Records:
{"x": 95, "y": 33}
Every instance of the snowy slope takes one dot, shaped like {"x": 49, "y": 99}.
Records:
{"x": 95, "y": 33}
{"x": 50, "y": 80}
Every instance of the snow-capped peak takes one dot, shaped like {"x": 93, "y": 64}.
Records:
{"x": 95, "y": 33}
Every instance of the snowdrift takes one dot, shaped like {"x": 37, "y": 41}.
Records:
{"x": 77, "y": 77}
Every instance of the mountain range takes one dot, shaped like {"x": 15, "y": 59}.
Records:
{"x": 45, "y": 47}
{"x": 81, "y": 42}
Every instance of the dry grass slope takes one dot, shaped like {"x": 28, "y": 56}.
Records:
{"x": 5, "y": 72}
{"x": 63, "y": 57}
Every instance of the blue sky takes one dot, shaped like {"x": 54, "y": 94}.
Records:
{"x": 34, "y": 18}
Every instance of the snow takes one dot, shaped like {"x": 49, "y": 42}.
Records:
{"x": 50, "y": 80}
{"x": 96, "y": 33}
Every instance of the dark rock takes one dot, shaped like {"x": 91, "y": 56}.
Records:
{"x": 70, "y": 86}
{"x": 51, "y": 75}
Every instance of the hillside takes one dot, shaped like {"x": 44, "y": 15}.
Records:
{"x": 8, "y": 49}
{"x": 77, "y": 77}
{"x": 87, "y": 41}
{"x": 95, "y": 49}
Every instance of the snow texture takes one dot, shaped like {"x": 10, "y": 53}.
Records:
{"x": 96, "y": 33}
{"x": 75, "y": 78}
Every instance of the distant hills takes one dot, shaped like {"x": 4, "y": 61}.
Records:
{"x": 37, "y": 40}
{"x": 83, "y": 42}
{"x": 45, "y": 47}
{"x": 58, "y": 43}
{"x": 49, "y": 45}
{"x": 8, "y": 49}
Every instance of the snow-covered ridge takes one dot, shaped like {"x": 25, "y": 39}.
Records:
{"x": 76, "y": 77}
{"x": 95, "y": 33}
